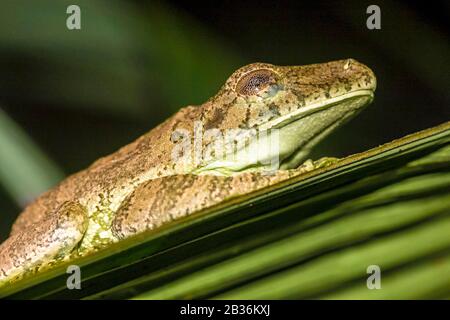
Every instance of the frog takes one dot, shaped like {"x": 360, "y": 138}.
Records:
{"x": 155, "y": 180}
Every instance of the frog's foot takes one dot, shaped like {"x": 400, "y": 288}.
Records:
{"x": 51, "y": 239}
{"x": 310, "y": 165}
{"x": 325, "y": 162}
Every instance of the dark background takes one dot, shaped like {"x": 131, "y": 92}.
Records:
{"x": 69, "y": 97}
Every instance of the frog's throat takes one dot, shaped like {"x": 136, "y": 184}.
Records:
{"x": 313, "y": 108}
{"x": 339, "y": 111}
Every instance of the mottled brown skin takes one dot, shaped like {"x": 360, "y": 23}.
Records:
{"x": 140, "y": 187}
{"x": 67, "y": 223}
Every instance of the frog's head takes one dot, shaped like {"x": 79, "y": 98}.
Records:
{"x": 305, "y": 103}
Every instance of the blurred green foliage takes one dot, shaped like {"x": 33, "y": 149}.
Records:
{"x": 24, "y": 169}
{"x": 124, "y": 58}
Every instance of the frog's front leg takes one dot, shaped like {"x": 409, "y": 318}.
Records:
{"x": 54, "y": 237}
{"x": 162, "y": 200}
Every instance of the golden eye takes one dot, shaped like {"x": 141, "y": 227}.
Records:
{"x": 255, "y": 81}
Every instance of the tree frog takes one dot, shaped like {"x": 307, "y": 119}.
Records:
{"x": 153, "y": 180}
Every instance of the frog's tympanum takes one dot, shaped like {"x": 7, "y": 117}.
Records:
{"x": 146, "y": 184}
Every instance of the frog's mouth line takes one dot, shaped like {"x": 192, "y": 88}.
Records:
{"x": 313, "y": 108}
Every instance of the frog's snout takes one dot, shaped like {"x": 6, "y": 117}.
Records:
{"x": 359, "y": 73}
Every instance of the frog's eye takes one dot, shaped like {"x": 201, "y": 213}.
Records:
{"x": 255, "y": 81}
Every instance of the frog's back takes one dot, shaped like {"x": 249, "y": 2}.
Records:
{"x": 109, "y": 179}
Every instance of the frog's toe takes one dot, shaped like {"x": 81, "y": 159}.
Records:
{"x": 325, "y": 162}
